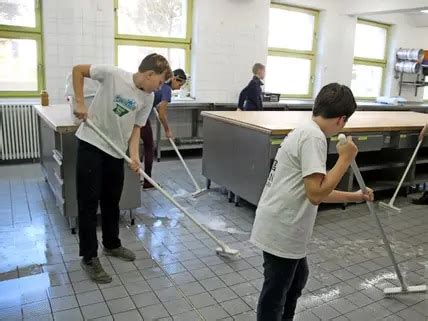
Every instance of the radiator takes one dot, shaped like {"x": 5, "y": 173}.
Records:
{"x": 19, "y": 132}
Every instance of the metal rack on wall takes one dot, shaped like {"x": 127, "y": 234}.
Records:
{"x": 411, "y": 62}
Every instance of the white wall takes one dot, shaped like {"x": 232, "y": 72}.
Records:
{"x": 229, "y": 36}
{"x": 75, "y": 32}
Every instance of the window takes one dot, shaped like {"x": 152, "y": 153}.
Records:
{"x": 291, "y": 55}
{"x": 21, "y": 59}
{"x": 369, "y": 59}
{"x": 147, "y": 26}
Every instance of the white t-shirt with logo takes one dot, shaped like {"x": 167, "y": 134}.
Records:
{"x": 117, "y": 106}
{"x": 285, "y": 217}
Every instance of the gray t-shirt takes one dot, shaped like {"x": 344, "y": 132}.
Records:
{"x": 285, "y": 217}
{"x": 117, "y": 106}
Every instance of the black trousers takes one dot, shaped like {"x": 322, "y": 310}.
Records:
{"x": 283, "y": 285}
{"x": 99, "y": 181}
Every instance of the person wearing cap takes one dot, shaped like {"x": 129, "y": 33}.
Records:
{"x": 161, "y": 100}
{"x": 423, "y": 200}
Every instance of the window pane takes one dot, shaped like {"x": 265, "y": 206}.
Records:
{"x": 290, "y": 29}
{"x": 129, "y": 57}
{"x": 370, "y": 41}
{"x": 18, "y": 65}
{"x": 18, "y": 13}
{"x": 286, "y": 75}
{"x": 366, "y": 81}
{"x": 157, "y": 18}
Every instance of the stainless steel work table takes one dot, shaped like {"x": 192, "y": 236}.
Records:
{"x": 239, "y": 148}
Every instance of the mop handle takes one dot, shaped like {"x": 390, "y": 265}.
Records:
{"x": 160, "y": 189}
{"x": 179, "y": 155}
{"x": 360, "y": 180}
{"x": 184, "y": 164}
{"x": 405, "y": 172}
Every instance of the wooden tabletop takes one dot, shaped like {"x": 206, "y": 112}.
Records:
{"x": 282, "y": 122}
{"x": 58, "y": 117}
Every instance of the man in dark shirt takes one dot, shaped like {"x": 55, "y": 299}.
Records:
{"x": 162, "y": 98}
{"x": 250, "y": 97}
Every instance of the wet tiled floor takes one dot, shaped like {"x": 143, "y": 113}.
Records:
{"x": 178, "y": 276}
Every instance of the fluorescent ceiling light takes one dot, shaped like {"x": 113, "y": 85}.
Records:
{"x": 424, "y": 11}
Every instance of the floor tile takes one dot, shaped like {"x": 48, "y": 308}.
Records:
{"x": 120, "y": 305}
{"x": 88, "y": 298}
{"x": 235, "y": 306}
{"x": 114, "y": 293}
{"x": 188, "y": 316}
{"x": 37, "y": 308}
{"x": 153, "y": 312}
{"x": 132, "y": 315}
{"x": 145, "y": 299}
{"x": 223, "y": 294}
{"x": 68, "y": 315}
{"x": 213, "y": 312}
{"x": 95, "y": 310}
{"x": 61, "y": 290}
{"x": 64, "y": 303}
{"x": 202, "y": 300}
{"x": 177, "y": 306}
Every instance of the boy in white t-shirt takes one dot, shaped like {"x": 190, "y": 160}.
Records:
{"x": 297, "y": 184}
{"x": 120, "y": 108}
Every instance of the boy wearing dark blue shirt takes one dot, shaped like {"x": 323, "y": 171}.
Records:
{"x": 250, "y": 97}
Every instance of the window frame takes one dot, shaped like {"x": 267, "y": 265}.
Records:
{"x": 293, "y": 53}
{"x": 151, "y": 41}
{"x": 372, "y": 61}
{"x": 19, "y": 32}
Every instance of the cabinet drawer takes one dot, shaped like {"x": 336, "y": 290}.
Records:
{"x": 57, "y": 186}
{"x": 408, "y": 140}
{"x": 365, "y": 143}
{"x": 56, "y": 164}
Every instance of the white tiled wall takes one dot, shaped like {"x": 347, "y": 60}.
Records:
{"x": 75, "y": 32}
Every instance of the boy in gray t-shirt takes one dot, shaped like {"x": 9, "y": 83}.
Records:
{"x": 297, "y": 184}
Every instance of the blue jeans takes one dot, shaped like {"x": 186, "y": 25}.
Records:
{"x": 283, "y": 285}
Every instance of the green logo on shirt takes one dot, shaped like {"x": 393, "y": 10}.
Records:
{"x": 123, "y": 105}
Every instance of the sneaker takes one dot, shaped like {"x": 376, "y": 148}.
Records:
{"x": 121, "y": 253}
{"x": 423, "y": 200}
{"x": 95, "y": 271}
